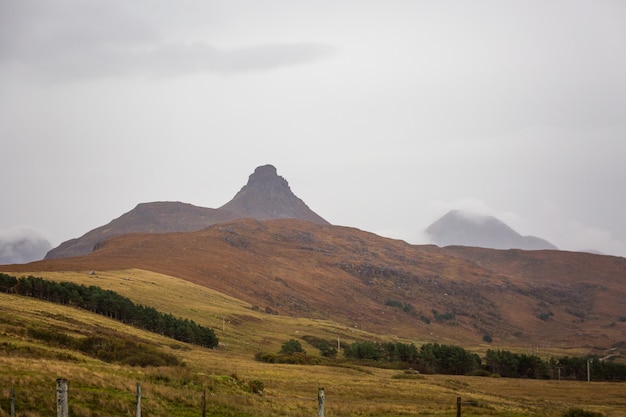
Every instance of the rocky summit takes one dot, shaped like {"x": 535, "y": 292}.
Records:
{"x": 267, "y": 196}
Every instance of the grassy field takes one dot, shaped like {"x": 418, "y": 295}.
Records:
{"x": 226, "y": 374}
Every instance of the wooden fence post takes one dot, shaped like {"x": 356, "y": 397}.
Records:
{"x": 458, "y": 406}
{"x": 12, "y": 401}
{"x": 138, "y": 414}
{"x": 204, "y": 402}
{"x": 62, "y": 406}
{"x": 320, "y": 402}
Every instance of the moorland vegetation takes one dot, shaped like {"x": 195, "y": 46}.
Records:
{"x": 429, "y": 358}
{"x": 41, "y": 341}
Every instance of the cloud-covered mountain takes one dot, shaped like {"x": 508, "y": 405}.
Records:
{"x": 462, "y": 228}
{"x": 266, "y": 196}
{"x": 22, "y": 245}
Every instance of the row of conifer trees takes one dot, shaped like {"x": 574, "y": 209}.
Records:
{"x": 109, "y": 303}
{"x": 451, "y": 359}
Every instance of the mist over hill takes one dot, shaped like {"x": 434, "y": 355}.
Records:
{"x": 463, "y": 228}
{"x": 22, "y": 245}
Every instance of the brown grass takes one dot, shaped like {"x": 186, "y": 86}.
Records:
{"x": 100, "y": 389}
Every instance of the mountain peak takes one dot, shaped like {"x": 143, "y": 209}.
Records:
{"x": 264, "y": 173}
{"x": 268, "y": 196}
{"x": 464, "y": 228}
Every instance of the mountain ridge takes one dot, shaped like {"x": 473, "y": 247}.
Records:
{"x": 265, "y": 196}
{"x": 155, "y": 217}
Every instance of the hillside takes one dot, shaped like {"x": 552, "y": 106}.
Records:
{"x": 458, "y": 227}
{"x": 40, "y": 343}
{"x": 384, "y": 286}
{"x": 156, "y": 217}
{"x": 266, "y": 196}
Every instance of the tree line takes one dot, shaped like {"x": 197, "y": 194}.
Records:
{"x": 430, "y": 358}
{"x": 434, "y": 358}
{"x": 514, "y": 365}
{"x": 109, "y": 303}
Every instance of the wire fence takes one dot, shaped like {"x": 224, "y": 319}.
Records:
{"x": 133, "y": 400}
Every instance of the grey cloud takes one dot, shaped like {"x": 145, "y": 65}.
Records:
{"x": 200, "y": 56}
{"x": 91, "y": 39}
{"x": 22, "y": 245}
{"x": 175, "y": 60}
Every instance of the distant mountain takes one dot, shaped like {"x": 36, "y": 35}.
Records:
{"x": 467, "y": 229}
{"x": 22, "y": 245}
{"x": 266, "y": 196}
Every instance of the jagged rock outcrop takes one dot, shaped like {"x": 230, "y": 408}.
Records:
{"x": 268, "y": 196}
{"x": 466, "y": 229}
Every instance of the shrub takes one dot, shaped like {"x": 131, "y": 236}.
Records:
{"x": 443, "y": 316}
{"x": 424, "y": 318}
{"x": 295, "y": 358}
{"x": 265, "y": 357}
{"x": 394, "y": 303}
{"x": 545, "y": 316}
{"x": 292, "y": 346}
{"x": 256, "y": 386}
{"x": 327, "y": 348}
{"x": 579, "y": 412}
{"x": 112, "y": 349}
{"x": 482, "y": 372}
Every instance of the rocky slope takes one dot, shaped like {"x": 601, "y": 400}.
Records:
{"x": 268, "y": 196}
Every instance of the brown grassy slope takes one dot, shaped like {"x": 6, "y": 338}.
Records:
{"x": 346, "y": 275}
{"x": 100, "y": 389}
{"x": 587, "y": 289}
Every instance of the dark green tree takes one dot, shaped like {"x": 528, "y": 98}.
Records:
{"x": 292, "y": 346}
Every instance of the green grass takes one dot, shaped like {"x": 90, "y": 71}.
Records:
{"x": 98, "y": 388}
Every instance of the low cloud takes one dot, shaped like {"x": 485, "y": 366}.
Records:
{"x": 202, "y": 57}
{"x": 594, "y": 239}
{"x": 22, "y": 245}
{"x": 472, "y": 209}
{"x": 77, "y": 40}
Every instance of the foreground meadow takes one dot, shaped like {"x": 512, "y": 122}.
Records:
{"x": 227, "y": 379}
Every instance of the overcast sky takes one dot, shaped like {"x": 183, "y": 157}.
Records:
{"x": 381, "y": 115}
